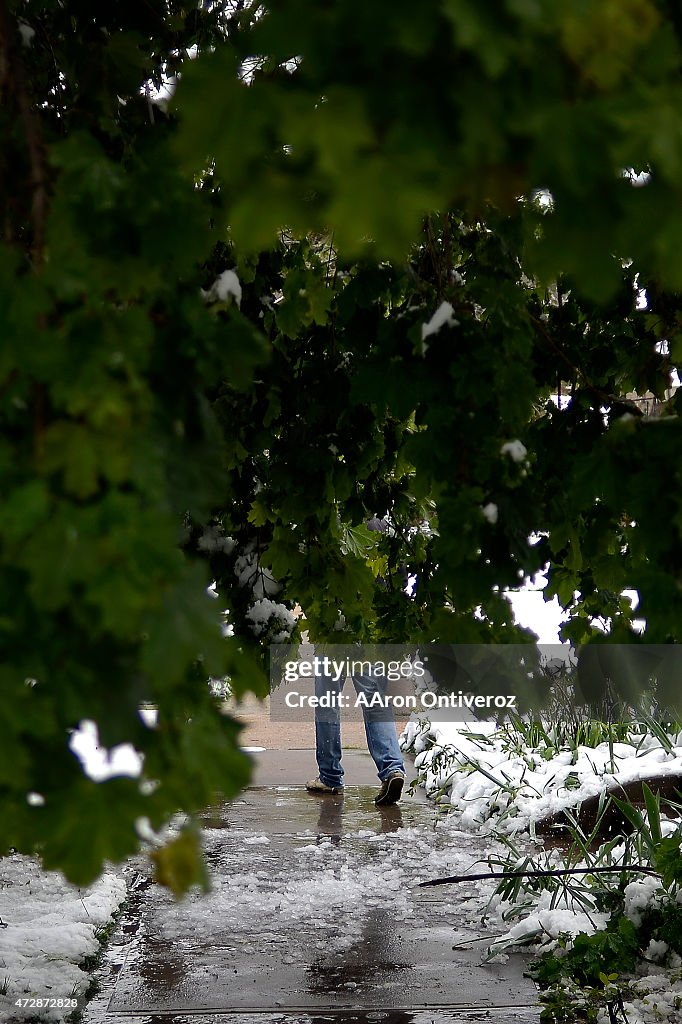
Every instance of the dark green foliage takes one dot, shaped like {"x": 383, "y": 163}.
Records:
{"x": 593, "y": 957}
{"x": 599, "y": 963}
{"x": 395, "y": 163}
{"x": 107, "y": 440}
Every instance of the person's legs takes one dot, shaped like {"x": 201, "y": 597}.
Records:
{"x": 328, "y": 735}
{"x": 382, "y": 738}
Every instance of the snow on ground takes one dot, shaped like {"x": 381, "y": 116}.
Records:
{"x": 659, "y": 998}
{"x": 319, "y": 893}
{"x": 498, "y": 785}
{"x": 322, "y": 890}
{"x": 48, "y": 927}
{"x": 490, "y": 782}
{"x": 471, "y": 765}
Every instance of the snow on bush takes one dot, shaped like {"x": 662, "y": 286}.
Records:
{"x": 472, "y": 766}
{"x": 251, "y": 573}
{"x": 266, "y": 617}
{"x": 516, "y": 450}
{"x": 490, "y": 512}
{"x": 491, "y": 777}
{"x": 213, "y": 539}
{"x": 640, "y": 895}
{"x": 226, "y": 286}
{"x": 443, "y": 315}
{"x": 269, "y": 621}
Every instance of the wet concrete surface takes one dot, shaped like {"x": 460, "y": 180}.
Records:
{"x": 274, "y": 767}
{"x": 314, "y": 916}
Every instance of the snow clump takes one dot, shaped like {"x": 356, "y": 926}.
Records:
{"x": 227, "y": 285}
{"x": 265, "y": 615}
{"x": 516, "y": 450}
{"x": 213, "y": 539}
{"x": 250, "y": 572}
{"x": 100, "y": 763}
{"x": 443, "y": 315}
{"x": 490, "y": 512}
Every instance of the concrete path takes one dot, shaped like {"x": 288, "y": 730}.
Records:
{"x": 314, "y": 916}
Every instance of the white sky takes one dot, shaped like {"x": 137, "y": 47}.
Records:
{"x": 543, "y": 617}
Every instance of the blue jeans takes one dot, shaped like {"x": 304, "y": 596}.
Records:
{"x": 382, "y": 738}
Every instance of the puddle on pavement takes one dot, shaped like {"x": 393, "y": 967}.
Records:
{"x": 325, "y": 815}
{"x": 159, "y": 965}
{"x": 375, "y": 954}
{"x": 314, "y": 916}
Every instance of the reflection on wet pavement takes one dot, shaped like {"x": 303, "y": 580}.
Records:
{"x": 374, "y": 953}
{"x": 314, "y": 916}
{"x": 160, "y": 967}
{"x": 330, "y": 820}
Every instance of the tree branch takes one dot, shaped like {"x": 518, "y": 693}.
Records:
{"x": 13, "y": 77}
{"x": 603, "y": 396}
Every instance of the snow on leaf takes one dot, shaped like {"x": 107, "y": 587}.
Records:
{"x": 516, "y": 450}
{"x": 443, "y": 315}
{"x": 227, "y": 285}
{"x": 490, "y": 512}
{"x": 264, "y": 612}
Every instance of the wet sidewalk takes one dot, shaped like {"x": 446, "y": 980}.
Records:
{"x": 314, "y": 916}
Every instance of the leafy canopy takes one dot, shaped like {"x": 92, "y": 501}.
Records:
{"x": 307, "y": 436}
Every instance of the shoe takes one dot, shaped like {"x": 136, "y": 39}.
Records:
{"x": 391, "y": 789}
{"x": 318, "y": 786}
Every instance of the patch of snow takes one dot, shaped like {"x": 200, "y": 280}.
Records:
{"x": 51, "y": 928}
{"x": 100, "y": 763}
{"x": 516, "y": 450}
{"x": 250, "y": 572}
{"x": 226, "y": 286}
{"x": 490, "y": 512}
{"x": 657, "y": 950}
{"x": 639, "y": 896}
{"x": 213, "y": 539}
{"x": 264, "y": 613}
{"x": 443, "y": 315}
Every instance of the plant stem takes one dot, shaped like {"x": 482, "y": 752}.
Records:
{"x": 540, "y": 874}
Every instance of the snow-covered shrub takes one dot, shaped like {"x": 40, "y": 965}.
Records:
{"x": 270, "y": 620}
{"x": 250, "y": 573}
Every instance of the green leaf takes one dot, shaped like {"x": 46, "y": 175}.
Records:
{"x": 106, "y": 809}
{"x": 357, "y": 540}
{"x": 180, "y": 865}
{"x": 25, "y": 509}
{"x": 259, "y": 514}
{"x": 668, "y": 860}
{"x": 653, "y": 811}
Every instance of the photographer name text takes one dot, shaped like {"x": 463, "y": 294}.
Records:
{"x": 425, "y": 701}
